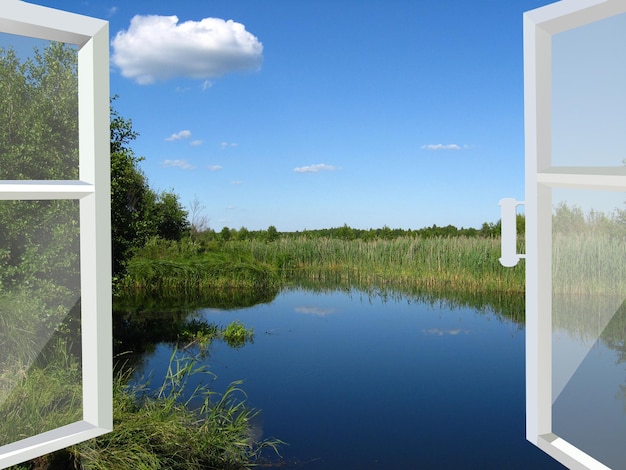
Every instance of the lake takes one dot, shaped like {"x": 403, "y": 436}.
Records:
{"x": 357, "y": 381}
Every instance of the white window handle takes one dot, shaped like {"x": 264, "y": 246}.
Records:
{"x": 508, "y": 224}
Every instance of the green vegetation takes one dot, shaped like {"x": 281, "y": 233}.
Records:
{"x": 162, "y": 428}
{"x": 236, "y": 334}
{"x": 440, "y": 264}
{"x": 588, "y": 252}
{"x": 40, "y": 366}
{"x": 38, "y": 397}
{"x": 138, "y": 213}
{"x": 161, "y": 259}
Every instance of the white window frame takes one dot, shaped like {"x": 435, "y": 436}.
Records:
{"x": 92, "y": 189}
{"x": 540, "y": 26}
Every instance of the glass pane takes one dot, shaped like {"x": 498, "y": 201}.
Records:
{"x": 589, "y": 322}
{"x": 38, "y": 109}
{"x": 589, "y": 94}
{"x": 40, "y": 344}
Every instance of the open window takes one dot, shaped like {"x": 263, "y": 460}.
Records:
{"x": 55, "y": 235}
{"x": 575, "y": 119}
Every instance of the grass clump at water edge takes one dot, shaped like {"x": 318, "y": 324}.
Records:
{"x": 169, "y": 427}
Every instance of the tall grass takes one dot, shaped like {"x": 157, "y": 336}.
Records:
{"x": 442, "y": 264}
{"x": 589, "y": 264}
{"x": 162, "y": 277}
{"x": 161, "y": 429}
{"x": 41, "y": 396}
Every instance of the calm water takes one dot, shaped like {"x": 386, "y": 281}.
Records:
{"x": 353, "y": 382}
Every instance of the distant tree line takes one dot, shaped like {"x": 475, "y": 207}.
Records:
{"x": 345, "y": 232}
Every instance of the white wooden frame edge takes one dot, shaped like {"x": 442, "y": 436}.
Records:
{"x": 93, "y": 191}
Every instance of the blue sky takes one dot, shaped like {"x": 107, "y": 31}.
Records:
{"x": 312, "y": 114}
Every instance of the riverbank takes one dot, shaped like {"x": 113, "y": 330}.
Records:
{"x": 450, "y": 264}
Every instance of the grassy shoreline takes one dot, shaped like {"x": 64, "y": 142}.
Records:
{"x": 459, "y": 264}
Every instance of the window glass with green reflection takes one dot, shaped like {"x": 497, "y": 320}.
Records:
{"x": 40, "y": 344}
{"x": 55, "y": 253}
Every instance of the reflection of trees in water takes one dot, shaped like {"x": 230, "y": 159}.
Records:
{"x": 614, "y": 337}
{"x": 509, "y": 306}
{"x": 591, "y": 320}
{"x": 141, "y": 322}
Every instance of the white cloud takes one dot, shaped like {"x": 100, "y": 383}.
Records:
{"x": 319, "y": 311}
{"x": 441, "y": 147}
{"x": 224, "y": 145}
{"x": 156, "y": 48}
{"x": 179, "y": 135}
{"x": 195, "y": 143}
{"x": 184, "y": 164}
{"x": 112, "y": 11}
{"x": 206, "y": 85}
{"x": 314, "y": 168}
{"x": 214, "y": 167}
{"x": 235, "y": 182}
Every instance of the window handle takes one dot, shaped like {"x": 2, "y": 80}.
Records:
{"x": 508, "y": 224}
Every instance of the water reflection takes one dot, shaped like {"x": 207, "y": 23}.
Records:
{"x": 379, "y": 379}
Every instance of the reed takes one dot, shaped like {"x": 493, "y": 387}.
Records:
{"x": 440, "y": 263}
{"x": 168, "y": 426}
{"x": 161, "y": 428}
{"x": 158, "y": 278}
{"x": 589, "y": 264}
{"x": 41, "y": 395}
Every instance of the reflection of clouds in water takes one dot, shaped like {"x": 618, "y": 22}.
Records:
{"x": 440, "y": 332}
{"x": 319, "y": 311}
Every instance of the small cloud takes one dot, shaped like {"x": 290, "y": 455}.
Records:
{"x": 235, "y": 182}
{"x": 231, "y": 208}
{"x": 195, "y": 143}
{"x": 112, "y": 11}
{"x": 179, "y": 89}
{"x": 224, "y": 145}
{"x": 179, "y": 135}
{"x": 206, "y": 85}
{"x": 441, "y": 147}
{"x": 442, "y": 332}
{"x": 314, "y": 168}
{"x": 320, "y": 312}
{"x": 214, "y": 167}
{"x": 184, "y": 164}
{"x": 158, "y": 48}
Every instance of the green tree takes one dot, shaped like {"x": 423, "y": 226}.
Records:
{"x": 137, "y": 212}
{"x": 170, "y": 217}
{"x": 271, "y": 234}
{"x": 39, "y": 140}
{"x": 225, "y": 234}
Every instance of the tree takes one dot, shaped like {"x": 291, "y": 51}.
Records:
{"x": 271, "y": 234}
{"x": 137, "y": 212}
{"x": 199, "y": 222}
{"x": 39, "y": 140}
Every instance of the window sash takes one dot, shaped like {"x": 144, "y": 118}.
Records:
{"x": 93, "y": 190}
{"x": 539, "y": 27}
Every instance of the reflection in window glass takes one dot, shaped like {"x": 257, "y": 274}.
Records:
{"x": 589, "y": 324}
{"x": 38, "y": 110}
{"x": 588, "y": 99}
{"x": 40, "y": 346}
